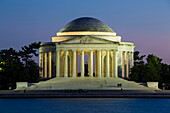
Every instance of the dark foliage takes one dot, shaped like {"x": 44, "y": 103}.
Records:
{"x": 18, "y": 66}
{"x": 165, "y": 74}
{"x": 152, "y": 70}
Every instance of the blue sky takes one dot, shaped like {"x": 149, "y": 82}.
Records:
{"x": 145, "y": 23}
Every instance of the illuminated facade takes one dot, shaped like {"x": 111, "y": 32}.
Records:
{"x": 86, "y": 40}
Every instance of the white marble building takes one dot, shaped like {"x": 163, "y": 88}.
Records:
{"x": 86, "y": 37}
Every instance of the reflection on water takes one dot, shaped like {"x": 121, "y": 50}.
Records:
{"x": 85, "y": 105}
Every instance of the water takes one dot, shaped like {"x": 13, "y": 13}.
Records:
{"x": 87, "y": 105}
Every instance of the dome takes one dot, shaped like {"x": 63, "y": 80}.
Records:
{"x": 86, "y": 24}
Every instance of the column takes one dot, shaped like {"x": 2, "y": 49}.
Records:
{"x": 99, "y": 63}
{"x": 107, "y": 64}
{"x": 123, "y": 64}
{"x": 41, "y": 64}
{"x": 127, "y": 65}
{"x": 66, "y": 64}
{"x": 82, "y": 63}
{"x": 88, "y": 63}
{"x": 120, "y": 63}
{"x": 115, "y": 64}
{"x": 129, "y": 53}
{"x": 58, "y": 63}
{"x": 103, "y": 66}
{"x": 95, "y": 64}
{"x": 45, "y": 63}
{"x": 91, "y": 63}
{"x": 74, "y": 63}
{"x": 49, "y": 61}
{"x": 132, "y": 59}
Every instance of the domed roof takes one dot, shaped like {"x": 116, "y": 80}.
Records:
{"x": 86, "y": 24}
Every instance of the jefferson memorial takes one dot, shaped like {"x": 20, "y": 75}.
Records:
{"x": 86, "y": 47}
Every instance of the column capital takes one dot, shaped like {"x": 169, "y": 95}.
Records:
{"x": 99, "y": 49}
{"x": 120, "y": 51}
{"x": 125, "y": 51}
{"x": 57, "y": 50}
{"x": 74, "y": 50}
{"x": 115, "y": 50}
{"x": 66, "y": 52}
{"x": 90, "y": 49}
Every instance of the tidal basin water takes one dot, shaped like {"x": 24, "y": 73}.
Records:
{"x": 85, "y": 105}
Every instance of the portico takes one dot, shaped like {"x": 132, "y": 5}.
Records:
{"x": 106, "y": 64}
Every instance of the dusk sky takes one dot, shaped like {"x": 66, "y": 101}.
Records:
{"x": 146, "y": 23}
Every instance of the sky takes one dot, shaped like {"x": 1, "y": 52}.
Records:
{"x": 146, "y": 23}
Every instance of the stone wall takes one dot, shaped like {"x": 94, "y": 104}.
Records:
{"x": 152, "y": 85}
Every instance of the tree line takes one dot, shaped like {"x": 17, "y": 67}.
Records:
{"x": 18, "y": 66}
{"x": 152, "y": 70}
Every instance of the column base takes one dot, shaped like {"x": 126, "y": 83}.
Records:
{"x": 108, "y": 76}
{"x": 74, "y": 76}
{"x": 57, "y": 75}
{"x": 99, "y": 76}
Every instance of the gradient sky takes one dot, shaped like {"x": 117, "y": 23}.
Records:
{"x": 146, "y": 23}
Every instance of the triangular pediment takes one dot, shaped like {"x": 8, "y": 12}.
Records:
{"x": 87, "y": 40}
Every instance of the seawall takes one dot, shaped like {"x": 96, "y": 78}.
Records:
{"x": 81, "y": 93}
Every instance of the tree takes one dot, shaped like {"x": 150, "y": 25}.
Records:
{"x": 144, "y": 72}
{"x": 12, "y": 68}
{"x": 31, "y": 68}
{"x": 138, "y": 59}
{"x": 136, "y": 71}
{"x": 27, "y": 52}
{"x": 165, "y": 75}
{"x": 33, "y": 71}
{"x": 154, "y": 68}
{"x": 18, "y": 66}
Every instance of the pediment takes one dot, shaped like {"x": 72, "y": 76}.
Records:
{"x": 87, "y": 40}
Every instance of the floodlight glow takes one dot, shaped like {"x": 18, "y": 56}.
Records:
{"x": 86, "y": 33}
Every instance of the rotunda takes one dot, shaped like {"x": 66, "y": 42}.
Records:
{"x": 86, "y": 47}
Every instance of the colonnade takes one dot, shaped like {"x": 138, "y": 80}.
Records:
{"x": 46, "y": 64}
{"x": 126, "y": 62}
